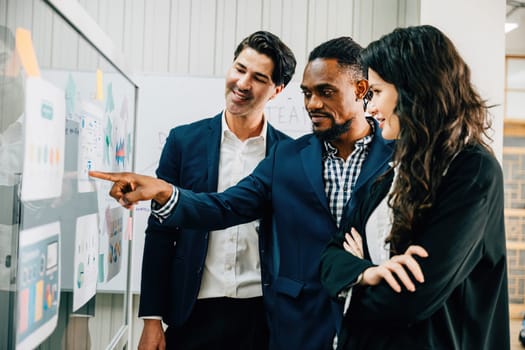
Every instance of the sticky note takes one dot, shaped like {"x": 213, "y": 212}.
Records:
{"x": 39, "y": 300}
{"x": 23, "y": 310}
{"x": 129, "y": 234}
{"x": 100, "y": 86}
{"x": 26, "y": 51}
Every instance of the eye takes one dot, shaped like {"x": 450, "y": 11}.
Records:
{"x": 306, "y": 94}
{"x": 327, "y": 93}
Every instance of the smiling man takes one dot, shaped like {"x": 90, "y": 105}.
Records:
{"x": 206, "y": 286}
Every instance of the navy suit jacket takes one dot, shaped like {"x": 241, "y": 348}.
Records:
{"x": 289, "y": 183}
{"x": 174, "y": 257}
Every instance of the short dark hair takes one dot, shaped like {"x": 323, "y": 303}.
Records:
{"x": 270, "y": 45}
{"x": 346, "y": 51}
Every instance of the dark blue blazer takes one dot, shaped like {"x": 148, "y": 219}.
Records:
{"x": 289, "y": 183}
{"x": 174, "y": 257}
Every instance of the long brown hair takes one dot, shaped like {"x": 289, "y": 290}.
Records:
{"x": 440, "y": 113}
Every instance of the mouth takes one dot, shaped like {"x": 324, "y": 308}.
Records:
{"x": 240, "y": 96}
{"x": 381, "y": 121}
{"x": 318, "y": 117}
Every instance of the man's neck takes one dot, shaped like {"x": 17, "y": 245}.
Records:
{"x": 245, "y": 126}
{"x": 345, "y": 144}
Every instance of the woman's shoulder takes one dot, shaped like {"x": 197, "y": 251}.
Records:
{"x": 476, "y": 163}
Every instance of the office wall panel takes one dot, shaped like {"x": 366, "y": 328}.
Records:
{"x": 248, "y": 17}
{"x": 225, "y": 35}
{"x": 87, "y": 58}
{"x": 42, "y": 22}
{"x": 64, "y": 53}
{"x": 156, "y": 35}
{"x": 185, "y": 37}
{"x": 294, "y": 14}
{"x": 133, "y": 33}
{"x": 271, "y": 15}
{"x": 180, "y": 37}
{"x": 202, "y": 37}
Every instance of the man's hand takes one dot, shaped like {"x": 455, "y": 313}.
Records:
{"x": 130, "y": 188}
{"x": 398, "y": 265}
{"x": 152, "y": 337}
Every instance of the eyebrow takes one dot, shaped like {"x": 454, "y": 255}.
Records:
{"x": 258, "y": 74}
{"x": 375, "y": 85}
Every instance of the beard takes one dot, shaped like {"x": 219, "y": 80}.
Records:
{"x": 334, "y": 132}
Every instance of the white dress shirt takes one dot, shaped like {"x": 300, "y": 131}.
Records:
{"x": 232, "y": 267}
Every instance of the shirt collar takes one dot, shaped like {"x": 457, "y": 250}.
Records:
{"x": 226, "y": 129}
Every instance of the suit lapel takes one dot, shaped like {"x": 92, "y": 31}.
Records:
{"x": 271, "y": 138}
{"x": 375, "y": 164}
{"x": 377, "y": 159}
{"x": 311, "y": 157}
{"x": 213, "y": 148}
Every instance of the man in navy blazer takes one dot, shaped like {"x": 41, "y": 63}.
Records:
{"x": 306, "y": 184}
{"x": 205, "y": 288}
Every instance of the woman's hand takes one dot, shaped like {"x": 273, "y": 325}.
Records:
{"x": 397, "y": 266}
{"x": 353, "y": 243}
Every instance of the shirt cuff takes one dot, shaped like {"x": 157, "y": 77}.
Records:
{"x": 346, "y": 293}
{"x": 163, "y": 212}
{"x": 151, "y": 318}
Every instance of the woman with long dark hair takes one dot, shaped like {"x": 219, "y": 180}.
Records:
{"x": 422, "y": 264}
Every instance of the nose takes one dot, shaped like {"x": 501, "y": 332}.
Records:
{"x": 244, "y": 82}
{"x": 371, "y": 108}
{"x": 313, "y": 103}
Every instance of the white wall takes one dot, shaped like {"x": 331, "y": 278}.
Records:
{"x": 477, "y": 29}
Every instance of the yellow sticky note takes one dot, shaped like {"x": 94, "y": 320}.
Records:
{"x": 24, "y": 47}
{"x": 39, "y": 300}
{"x": 100, "y": 86}
{"x": 129, "y": 233}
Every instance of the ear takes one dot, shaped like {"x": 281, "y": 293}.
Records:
{"x": 361, "y": 87}
{"x": 277, "y": 91}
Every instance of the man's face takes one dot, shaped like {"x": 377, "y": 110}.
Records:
{"x": 329, "y": 98}
{"x": 249, "y": 83}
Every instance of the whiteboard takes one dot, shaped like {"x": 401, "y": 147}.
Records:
{"x": 168, "y": 101}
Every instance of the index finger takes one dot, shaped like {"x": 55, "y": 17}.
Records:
{"x": 417, "y": 250}
{"x": 105, "y": 176}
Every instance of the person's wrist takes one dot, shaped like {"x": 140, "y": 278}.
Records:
{"x": 164, "y": 194}
{"x": 148, "y": 322}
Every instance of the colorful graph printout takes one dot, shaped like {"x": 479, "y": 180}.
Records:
{"x": 86, "y": 260}
{"x": 114, "y": 224}
{"x": 44, "y": 140}
{"x": 38, "y": 284}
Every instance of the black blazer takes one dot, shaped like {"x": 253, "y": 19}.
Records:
{"x": 463, "y": 303}
{"x": 174, "y": 257}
